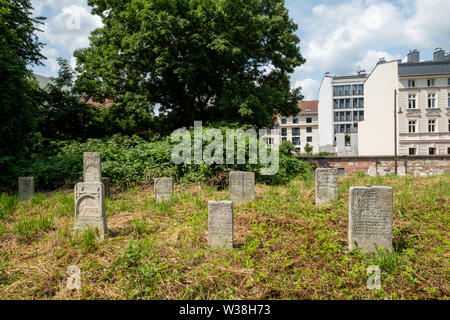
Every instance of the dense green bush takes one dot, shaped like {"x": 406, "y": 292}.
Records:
{"x": 131, "y": 160}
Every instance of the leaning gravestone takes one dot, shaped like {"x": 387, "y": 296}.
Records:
{"x": 220, "y": 224}
{"x": 26, "y": 188}
{"x": 326, "y": 185}
{"x": 370, "y": 218}
{"x": 92, "y": 167}
{"x": 90, "y": 207}
{"x": 163, "y": 189}
{"x": 107, "y": 187}
{"x": 242, "y": 186}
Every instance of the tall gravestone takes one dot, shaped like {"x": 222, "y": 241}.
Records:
{"x": 220, "y": 224}
{"x": 92, "y": 167}
{"x": 326, "y": 181}
{"x": 163, "y": 189}
{"x": 242, "y": 186}
{"x": 370, "y": 218}
{"x": 90, "y": 208}
{"x": 107, "y": 187}
{"x": 26, "y": 188}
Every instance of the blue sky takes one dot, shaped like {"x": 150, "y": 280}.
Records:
{"x": 336, "y": 36}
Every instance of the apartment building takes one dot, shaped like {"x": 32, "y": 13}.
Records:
{"x": 341, "y": 109}
{"x": 421, "y": 93}
{"x": 301, "y": 130}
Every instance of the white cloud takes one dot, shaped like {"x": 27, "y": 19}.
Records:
{"x": 342, "y": 35}
{"x": 371, "y": 59}
{"x": 70, "y": 28}
{"x": 310, "y": 88}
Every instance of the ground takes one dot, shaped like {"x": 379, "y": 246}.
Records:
{"x": 285, "y": 246}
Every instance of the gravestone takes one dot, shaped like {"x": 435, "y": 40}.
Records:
{"x": 26, "y": 188}
{"x": 92, "y": 167}
{"x": 372, "y": 172}
{"x": 242, "y": 186}
{"x": 107, "y": 187}
{"x": 163, "y": 189}
{"x": 370, "y": 218}
{"x": 90, "y": 207}
{"x": 220, "y": 224}
{"x": 326, "y": 185}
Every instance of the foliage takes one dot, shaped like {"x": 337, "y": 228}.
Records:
{"x": 308, "y": 148}
{"x": 193, "y": 60}
{"x": 19, "y": 93}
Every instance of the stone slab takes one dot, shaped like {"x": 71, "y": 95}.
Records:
{"x": 326, "y": 181}
{"x": 220, "y": 224}
{"x": 242, "y": 186}
{"x": 163, "y": 189}
{"x": 26, "y": 188}
{"x": 92, "y": 167}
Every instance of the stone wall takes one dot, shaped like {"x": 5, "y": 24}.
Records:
{"x": 406, "y": 165}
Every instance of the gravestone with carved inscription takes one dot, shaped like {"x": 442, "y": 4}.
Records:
{"x": 92, "y": 167}
{"x": 326, "y": 185}
{"x": 26, "y": 188}
{"x": 370, "y": 218}
{"x": 90, "y": 208}
{"x": 163, "y": 189}
{"x": 242, "y": 186}
{"x": 220, "y": 224}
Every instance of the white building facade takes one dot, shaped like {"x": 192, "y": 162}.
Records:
{"x": 422, "y": 113}
{"x": 341, "y": 109}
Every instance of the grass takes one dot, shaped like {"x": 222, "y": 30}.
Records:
{"x": 285, "y": 246}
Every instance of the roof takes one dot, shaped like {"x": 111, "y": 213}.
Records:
{"x": 311, "y": 106}
{"x": 356, "y": 76}
{"x": 92, "y": 103}
{"x": 423, "y": 68}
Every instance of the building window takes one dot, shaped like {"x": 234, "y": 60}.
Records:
{"x": 412, "y": 151}
{"x": 355, "y": 89}
{"x": 269, "y": 141}
{"x": 342, "y": 104}
{"x": 431, "y": 100}
{"x": 309, "y": 129}
{"x": 341, "y": 90}
{"x": 283, "y": 120}
{"x": 430, "y": 82}
{"x": 347, "y": 104}
{"x": 295, "y": 120}
{"x": 361, "y": 89}
{"x": 449, "y": 125}
{"x": 431, "y": 125}
{"x": 296, "y": 141}
{"x": 448, "y": 102}
{"x": 347, "y": 90}
{"x": 411, "y": 126}
{"x": 355, "y": 103}
{"x": 448, "y": 150}
{"x": 283, "y": 139}
{"x": 335, "y": 90}
{"x": 411, "y": 83}
{"x": 448, "y": 81}
{"x": 284, "y": 132}
{"x": 295, "y": 131}
{"x": 412, "y": 101}
{"x": 432, "y": 151}
{"x": 308, "y": 120}
{"x": 308, "y": 139}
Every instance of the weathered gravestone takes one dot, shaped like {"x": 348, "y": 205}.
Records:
{"x": 107, "y": 187}
{"x": 220, "y": 224}
{"x": 90, "y": 207}
{"x": 26, "y": 188}
{"x": 370, "y": 218}
{"x": 92, "y": 167}
{"x": 163, "y": 189}
{"x": 326, "y": 185}
{"x": 242, "y": 186}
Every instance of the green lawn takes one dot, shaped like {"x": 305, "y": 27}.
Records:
{"x": 285, "y": 246}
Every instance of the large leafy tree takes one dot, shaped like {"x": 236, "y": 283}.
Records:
{"x": 19, "y": 94}
{"x": 211, "y": 60}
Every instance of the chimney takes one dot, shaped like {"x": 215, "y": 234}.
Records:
{"x": 413, "y": 56}
{"x": 438, "y": 55}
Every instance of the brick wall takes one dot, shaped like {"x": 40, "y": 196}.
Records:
{"x": 411, "y": 165}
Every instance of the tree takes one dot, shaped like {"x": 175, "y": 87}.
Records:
{"x": 19, "y": 93}
{"x": 209, "y": 60}
{"x": 308, "y": 148}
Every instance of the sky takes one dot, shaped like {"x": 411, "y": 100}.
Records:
{"x": 336, "y": 36}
